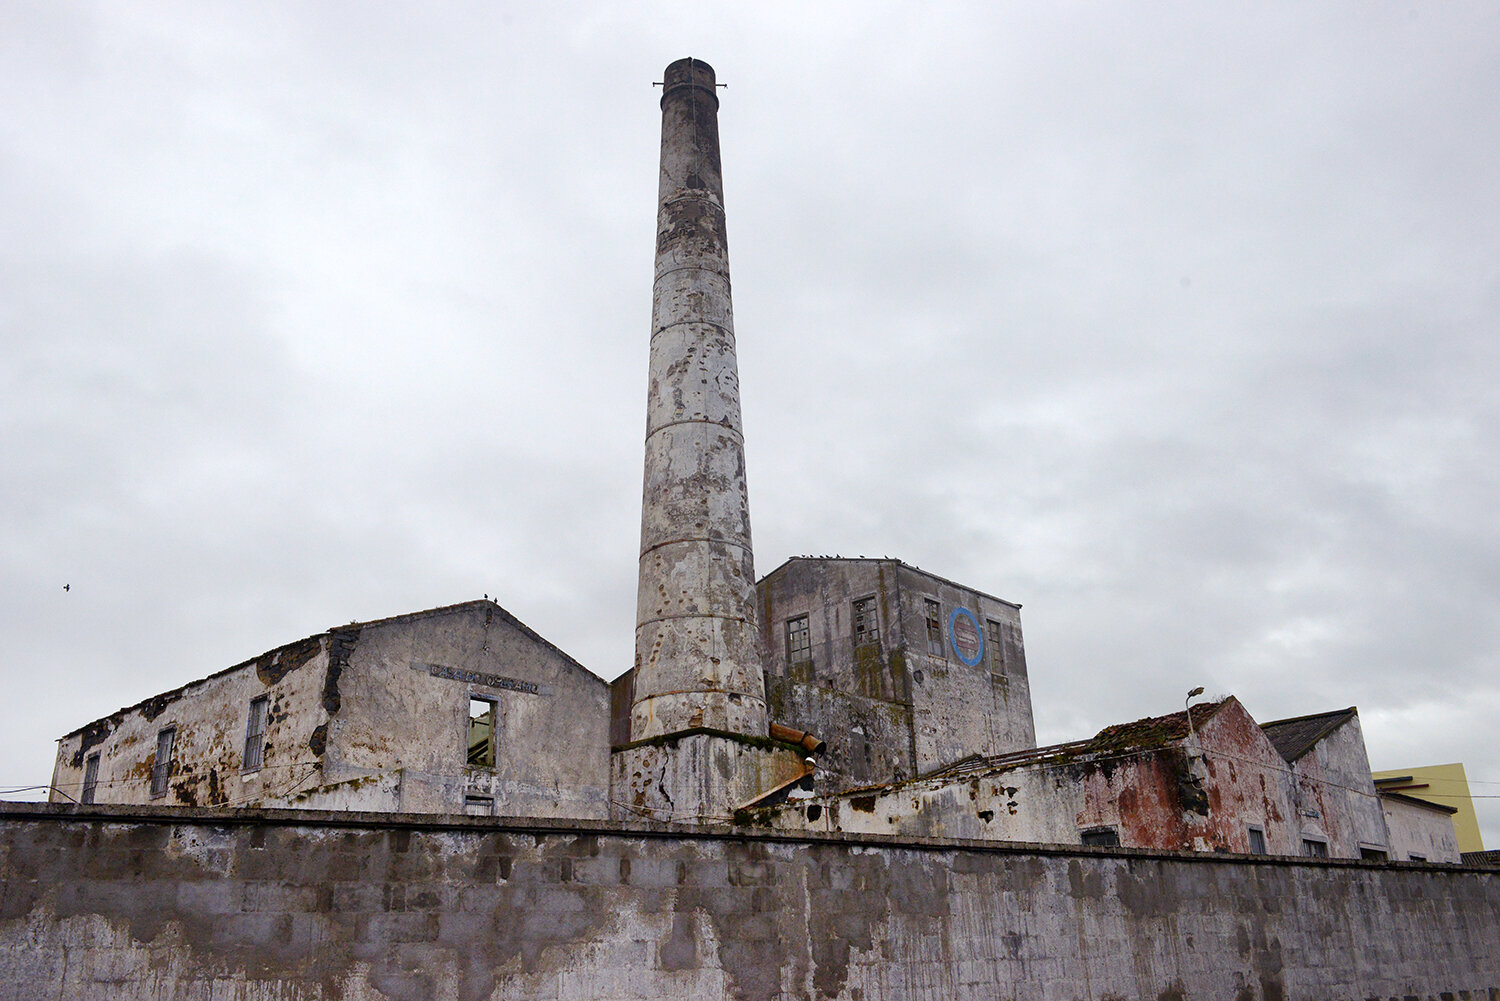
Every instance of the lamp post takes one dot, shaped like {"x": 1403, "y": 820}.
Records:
{"x": 1188, "y": 711}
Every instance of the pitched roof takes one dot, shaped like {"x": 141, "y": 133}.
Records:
{"x": 1151, "y": 733}
{"x": 1294, "y": 737}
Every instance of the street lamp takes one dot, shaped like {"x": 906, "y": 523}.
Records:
{"x": 1188, "y": 711}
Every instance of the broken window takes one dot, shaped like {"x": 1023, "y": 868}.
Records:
{"x": 255, "y": 733}
{"x": 934, "y": 627}
{"x": 798, "y": 641}
{"x": 997, "y": 646}
{"x": 161, "y": 768}
{"x": 1257, "y": 841}
{"x": 479, "y": 806}
{"x": 1101, "y": 837}
{"x": 90, "y": 779}
{"x": 481, "y": 732}
{"x": 866, "y": 626}
{"x": 1313, "y": 848}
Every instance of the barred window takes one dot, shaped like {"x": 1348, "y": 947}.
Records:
{"x": 798, "y": 640}
{"x": 255, "y": 733}
{"x": 866, "y": 625}
{"x": 161, "y": 768}
{"x": 90, "y": 779}
{"x": 934, "y": 627}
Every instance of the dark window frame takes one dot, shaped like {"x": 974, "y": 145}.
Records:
{"x": 1255, "y": 834}
{"x": 932, "y": 612}
{"x": 1314, "y": 847}
{"x": 995, "y": 637}
{"x": 161, "y": 771}
{"x": 90, "y": 779}
{"x": 865, "y": 621}
{"x": 255, "y": 734}
{"x": 1100, "y": 837}
{"x": 798, "y": 640}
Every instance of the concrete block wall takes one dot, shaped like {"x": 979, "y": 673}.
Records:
{"x": 129, "y": 903}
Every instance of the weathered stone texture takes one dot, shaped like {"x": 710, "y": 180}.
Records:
{"x": 697, "y": 649}
{"x": 320, "y": 906}
{"x": 892, "y": 707}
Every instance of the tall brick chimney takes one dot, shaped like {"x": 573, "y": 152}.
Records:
{"x": 698, "y": 661}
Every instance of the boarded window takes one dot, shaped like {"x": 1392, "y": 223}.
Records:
{"x": 866, "y": 625}
{"x": 1314, "y": 849}
{"x": 479, "y": 806}
{"x": 255, "y": 733}
{"x": 934, "y": 627}
{"x": 481, "y": 733}
{"x": 161, "y": 768}
{"x": 996, "y": 642}
{"x": 1101, "y": 837}
{"x": 1257, "y": 841}
{"x": 798, "y": 641}
{"x": 90, "y": 779}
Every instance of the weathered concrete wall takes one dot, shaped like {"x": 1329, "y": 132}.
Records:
{"x": 297, "y": 905}
{"x": 402, "y": 705}
{"x": 697, "y": 648}
{"x": 210, "y": 718}
{"x": 373, "y": 716}
{"x": 1335, "y": 795}
{"x": 1416, "y": 830}
{"x": 909, "y": 708}
{"x": 1154, "y": 788}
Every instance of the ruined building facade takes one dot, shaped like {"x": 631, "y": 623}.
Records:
{"x": 845, "y": 696}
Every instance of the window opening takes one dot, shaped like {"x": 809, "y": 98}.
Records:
{"x": 479, "y": 806}
{"x": 90, "y": 779}
{"x": 1257, "y": 841}
{"x": 1417, "y": 858}
{"x": 1102, "y": 837}
{"x": 798, "y": 640}
{"x": 161, "y": 768}
{"x": 866, "y": 626}
{"x": 934, "y": 627}
{"x": 1372, "y": 854}
{"x": 481, "y": 732}
{"x": 997, "y": 647}
{"x": 255, "y": 732}
{"x": 1314, "y": 849}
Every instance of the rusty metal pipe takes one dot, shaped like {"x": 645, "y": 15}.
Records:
{"x": 803, "y": 739}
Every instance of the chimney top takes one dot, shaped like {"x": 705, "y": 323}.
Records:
{"x": 689, "y": 73}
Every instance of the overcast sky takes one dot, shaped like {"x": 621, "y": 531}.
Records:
{"x": 1174, "y": 323}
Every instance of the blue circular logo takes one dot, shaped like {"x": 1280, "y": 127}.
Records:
{"x": 965, "y": 638}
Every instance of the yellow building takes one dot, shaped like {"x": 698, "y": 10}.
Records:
{"x": 1446, "y": 785}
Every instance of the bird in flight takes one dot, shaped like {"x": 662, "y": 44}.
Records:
{"x": 67, "y": 587}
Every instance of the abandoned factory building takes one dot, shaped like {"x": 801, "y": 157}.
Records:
{"x": 851, "y": 696}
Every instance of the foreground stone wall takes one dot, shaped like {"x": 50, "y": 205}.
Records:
{"x": 132, "y": 903}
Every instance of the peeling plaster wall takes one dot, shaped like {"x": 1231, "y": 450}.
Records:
{"x": 1158, "y": 797}
{"x": 372, "y": 716}
{"x": 402, "y": 717}
{"x": 210, "y": 717}
{"x": 299, "y": 906}
{"x": 891, "y": 709}
{"x": 1335, "y": 793}
{"x": 1419, "y": 830}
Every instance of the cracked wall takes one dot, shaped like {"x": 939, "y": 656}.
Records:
{"x": 301, "y": 905}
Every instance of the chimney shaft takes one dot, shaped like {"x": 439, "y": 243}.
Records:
{"x": 697, "y": 648}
